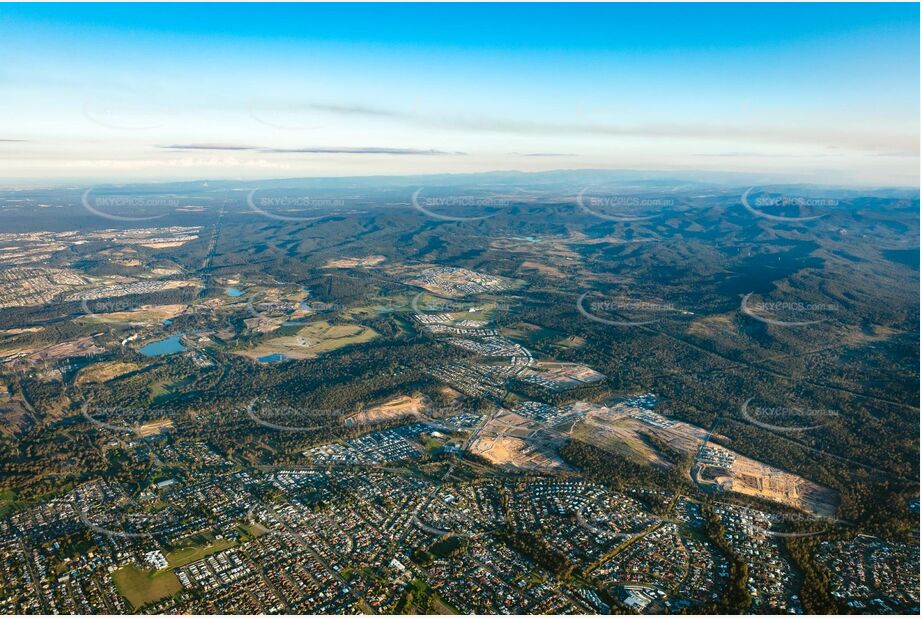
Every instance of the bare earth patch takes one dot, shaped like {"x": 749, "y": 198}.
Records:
{"x": 624, "y": 429}
{"x": 355, "y": 262}
{"x": 154, "y": 427}
{"x": 146, "y": 314}
{"x": 515, "y": 452}
{"x": 399, "y": 407}
{"x": 510, "y": 439}
{"x": 564, "y": 375}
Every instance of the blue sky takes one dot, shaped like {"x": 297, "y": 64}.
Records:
{"x": 820, "y": 92}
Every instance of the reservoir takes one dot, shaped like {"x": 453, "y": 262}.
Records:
{"x": 170, "y": 345}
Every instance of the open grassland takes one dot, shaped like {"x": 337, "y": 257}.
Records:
{"x": 187, "y": 555}
{"x": 103, "y": 372}
{"x": 148, "y": 314}
{"x": 141, "y": 587}
{"x": 540, "y": 268}
{"x": 313, "y": 339}
{"x": 254, "y": 530}
{"x": 7, "y": 501}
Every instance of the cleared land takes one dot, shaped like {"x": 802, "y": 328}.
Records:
{"x": 84, "y": 346}
{"x": 564, "y": 375}
{"x": 452, "y": 282}
{"x": 395, "y": 408}
{"x": 147, "y": 314}
{"x": 263, "y": 324}
{"x": 753, "y": 478}
{"x": 20, "y": 331}
{"x": 510, "y": 439}
{"x": 355, "y": 262}
{"x": 627, "y": 430}
{"x": 154, "y": 427}
{"x": 515, "y": 452}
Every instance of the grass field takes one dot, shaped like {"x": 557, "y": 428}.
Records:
{"x": 254, "y": 530}
{"x": 448, "y": 546}
{"x": 142, "y": 587}
{"x": 103, "y": 372}
{"x": 143, "y": 315}
{"x": 573, "y": 341}
{"x": 162, "y": 390}
{"x": 314, "y": 338}
{"x": 330, "y": 337}
{"x": 7, "y": 501}
{"x": 187, "y": 555}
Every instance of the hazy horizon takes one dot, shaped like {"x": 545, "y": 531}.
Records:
{"x": 800, "y": 93}
{"x": 709, "y": 177}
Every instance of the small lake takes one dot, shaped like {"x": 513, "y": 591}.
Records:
{"x": 234, "y": 292}
{"x": 170, "y": 345}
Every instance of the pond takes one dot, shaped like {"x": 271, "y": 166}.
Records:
{"x": 234, "y": 292}
{"x": 170, "y": 345}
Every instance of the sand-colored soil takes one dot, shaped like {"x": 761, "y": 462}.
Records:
{"x": 164, "y": 245}
{"x": 510, "y": 439}
{"x": 355, "y": 262}
{"x": 565, "y": 374}
{"x": 146, "y": 314}
{"x": 84, "y": 346}
{"x": 395, "y": 408}
{"x": 616, "y": 429}
{"x": 154, "y": 427}
{"x": 515, "y": 452}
